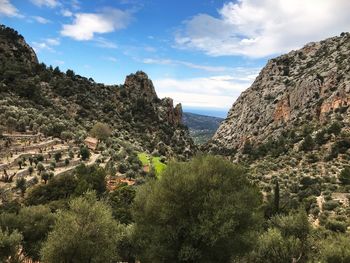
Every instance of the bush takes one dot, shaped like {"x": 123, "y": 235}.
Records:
{"x": 344, "y": 176}
{"x": 336, "y": 226}
{"x": 330, "y": 205}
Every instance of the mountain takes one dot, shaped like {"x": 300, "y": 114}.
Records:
{"x": 201, "y": 127}
{"x": 291, "y": 129}
{"x": 304, "y": 89}
{"x": 40, "y": 98}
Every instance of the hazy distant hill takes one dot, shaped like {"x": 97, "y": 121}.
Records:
{"x": 201, "y": 127}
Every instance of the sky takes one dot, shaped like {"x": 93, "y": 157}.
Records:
{"x": 201, "y": 53}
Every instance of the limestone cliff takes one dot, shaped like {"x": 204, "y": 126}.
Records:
{"x": 310, "y": 85}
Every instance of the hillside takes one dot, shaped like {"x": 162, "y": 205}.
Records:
{"x": 43, "y": 99}
{"x": 201, "y": 127}
{"x": 293, "y": 125}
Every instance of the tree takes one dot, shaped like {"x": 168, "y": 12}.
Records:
{"x": 90, "y": 178}
{"x": 335, "y": 249}
{"x": 59, "y": 187}
{"x": 276, "y": 196}
{"x": 308, "y": 144}
{"x": 344, "y": 176}
{"x": 275, "y": 248}
{"x": 57, "y": 156}
{"x": 84, "y": 233}
{"x": 84, "y": 153}
{"x": 45, "y": 177}
{"x": 287, "y": 240}
{"x": 21, "y": 184}
{"x": 121, "y": 200}
{"x": 40, "y": 167}
{"x": 9, "y": 245}
{"x": 335, "y": 128}
{"x": 205, "y": 210}
{"x": 31, "y": 160}
{"x": 20, "y": 163}
{"x": 30, "y": 170}
{"x": 34, "y": 223}
{"x": 101, "y": 131}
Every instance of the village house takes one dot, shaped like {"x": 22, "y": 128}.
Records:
{"x": 91, "y": 143}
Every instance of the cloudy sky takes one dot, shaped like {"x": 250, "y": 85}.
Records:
{"x": 202, "y": 53}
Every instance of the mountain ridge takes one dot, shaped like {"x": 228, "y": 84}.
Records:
{"x": 65, "y": 104}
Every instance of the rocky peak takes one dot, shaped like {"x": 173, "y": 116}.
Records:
{"x": 13, "y": 45}
{"x": 138, "y": 85}
{"x": 304, "y": 86}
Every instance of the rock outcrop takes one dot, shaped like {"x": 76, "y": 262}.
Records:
{"x": 13, "y": 46}
{"x": 308, "y": 85}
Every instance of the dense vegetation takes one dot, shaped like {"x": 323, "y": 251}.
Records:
{"x": 205, "y": 210}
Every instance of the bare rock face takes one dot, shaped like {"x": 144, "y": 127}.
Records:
{"x": 13, "y": 45}
{"x": 178, "y": 114}
{"x": 140, "y": 88}
{"x": 308, "y": 85}
{"x": 138, "y": 85}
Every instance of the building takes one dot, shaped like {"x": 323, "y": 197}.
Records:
{"x": 91, "y": 143}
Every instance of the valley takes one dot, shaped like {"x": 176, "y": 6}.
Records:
{"x": 270, "y": 183}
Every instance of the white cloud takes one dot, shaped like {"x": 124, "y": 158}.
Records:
{"x": 8, "y": 9}
{"x": 184, "y": 63}
{"x": 86, "y": 25}
{"x": 104, "y": 43}
{"x": 46, "y": 3}
{"x": 112, "y": 59}
{"x": 46, "y": 44}
{"x": 41, "y": 20}
{"x": 259, "y": 28}
{"x": 53, "y": 41}
{"x": 66, "y": 13}
{"x": 237, "y": 71}
{"x": 207, "y": 92}
{"x": 59, "y": 62}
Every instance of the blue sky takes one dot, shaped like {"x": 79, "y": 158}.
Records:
{"x": 202, "y": 53}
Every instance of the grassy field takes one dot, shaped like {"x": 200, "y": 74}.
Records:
{"x": 146, "y": 159}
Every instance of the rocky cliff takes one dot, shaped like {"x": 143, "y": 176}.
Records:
{"x": 307, "y": 86}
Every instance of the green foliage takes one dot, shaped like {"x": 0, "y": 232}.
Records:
{"x": 201, "y": 211}
{"x": 335, "y": 249}
{"x": 344, "y": 176}
{"x": 336, "y": 226}
{"x": 275, "y": 248}
{"x": 57, "y": 156}
{"x": 84, "y": 233}
{"x": 9, "y": 245}
{"x": 121, "y": 200}
{"x": 59, "y": 187}
{"x": 101, "y": 131}
{"x": 84, "y": 153}
{"x": 90, "y": 178}
{"x": 335, "y": 128}
{"x": 33, "y": 223}
{"x": 21, "y": 184}
{"x": 308, "y": 144}
{"x": 287, "y": 239}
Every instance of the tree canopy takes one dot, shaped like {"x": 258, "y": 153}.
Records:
{"x": 84, "y": 233}
{"x": 201, "y": 211}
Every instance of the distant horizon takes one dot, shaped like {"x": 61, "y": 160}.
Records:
{"x": 211, "y": 112}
